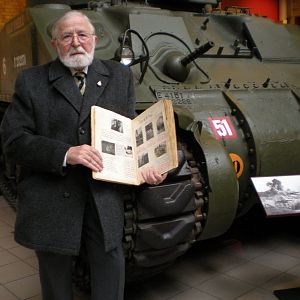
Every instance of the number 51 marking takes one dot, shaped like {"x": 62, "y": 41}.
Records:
{"x": 222, "y": 128}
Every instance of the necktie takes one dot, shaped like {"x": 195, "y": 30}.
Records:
{"x": 80, "y": 80}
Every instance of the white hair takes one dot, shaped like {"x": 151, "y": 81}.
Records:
{"x": 68, "y": 15}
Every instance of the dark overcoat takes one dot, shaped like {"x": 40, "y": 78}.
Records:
{"x": 46, "y": 117}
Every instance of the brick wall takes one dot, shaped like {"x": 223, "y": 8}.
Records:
{"x": 9, "y": 9}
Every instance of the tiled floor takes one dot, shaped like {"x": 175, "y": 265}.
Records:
{"x": 254, "y": 258}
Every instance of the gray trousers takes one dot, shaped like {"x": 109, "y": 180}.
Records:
{"x": 107, "y": 268}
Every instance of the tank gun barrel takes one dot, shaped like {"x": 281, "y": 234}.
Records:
{"x": 197, "y": 53}
{"x": 178, "y": 68}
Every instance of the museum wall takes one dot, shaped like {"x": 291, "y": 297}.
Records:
{"x": 267, "y": 8}
{"x": 10, "y": 9}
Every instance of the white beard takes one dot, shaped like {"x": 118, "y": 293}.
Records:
{"x": 79, "y": 61}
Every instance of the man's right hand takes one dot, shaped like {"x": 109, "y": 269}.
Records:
{"x": 85, "y": 155}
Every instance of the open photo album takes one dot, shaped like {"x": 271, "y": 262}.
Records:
{"x": 128, "y": 146}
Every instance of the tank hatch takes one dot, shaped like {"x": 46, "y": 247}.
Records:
{"x": 274, "y": 42}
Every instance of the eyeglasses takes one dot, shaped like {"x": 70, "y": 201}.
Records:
{"x": 67, "y": 38}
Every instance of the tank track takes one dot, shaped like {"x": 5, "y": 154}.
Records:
{"x": 9, "y": 190}
{"x": 186, "y": 221}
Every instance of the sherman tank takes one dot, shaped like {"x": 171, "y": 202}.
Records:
{"x": 234, "y": 80}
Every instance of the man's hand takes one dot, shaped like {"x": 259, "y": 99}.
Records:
{"x": 85, "y": 155}
{"x": 152, "y": 176}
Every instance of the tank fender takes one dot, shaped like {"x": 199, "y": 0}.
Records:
{"x": 223, "y": 188}
{"x": 184, "y": 117}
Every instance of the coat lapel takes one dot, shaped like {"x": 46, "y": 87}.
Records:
{"x": 96, "y": 81}
{"x": 60, "y": 77}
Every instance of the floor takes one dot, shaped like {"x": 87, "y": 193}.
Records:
{"x": 255, "y": 257}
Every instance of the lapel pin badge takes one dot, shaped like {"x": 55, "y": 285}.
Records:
{"x": 99, "y": 83}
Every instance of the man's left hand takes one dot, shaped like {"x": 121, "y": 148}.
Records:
{"x": 152, "y": 176}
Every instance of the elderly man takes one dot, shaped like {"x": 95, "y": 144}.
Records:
{"x": 46, "y": 130}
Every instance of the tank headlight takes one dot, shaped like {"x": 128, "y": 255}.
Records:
{"x": 127, "y": 56}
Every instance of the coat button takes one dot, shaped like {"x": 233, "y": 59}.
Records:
{"x": 81, "y": 130}
{"x": 66, "y": 195}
